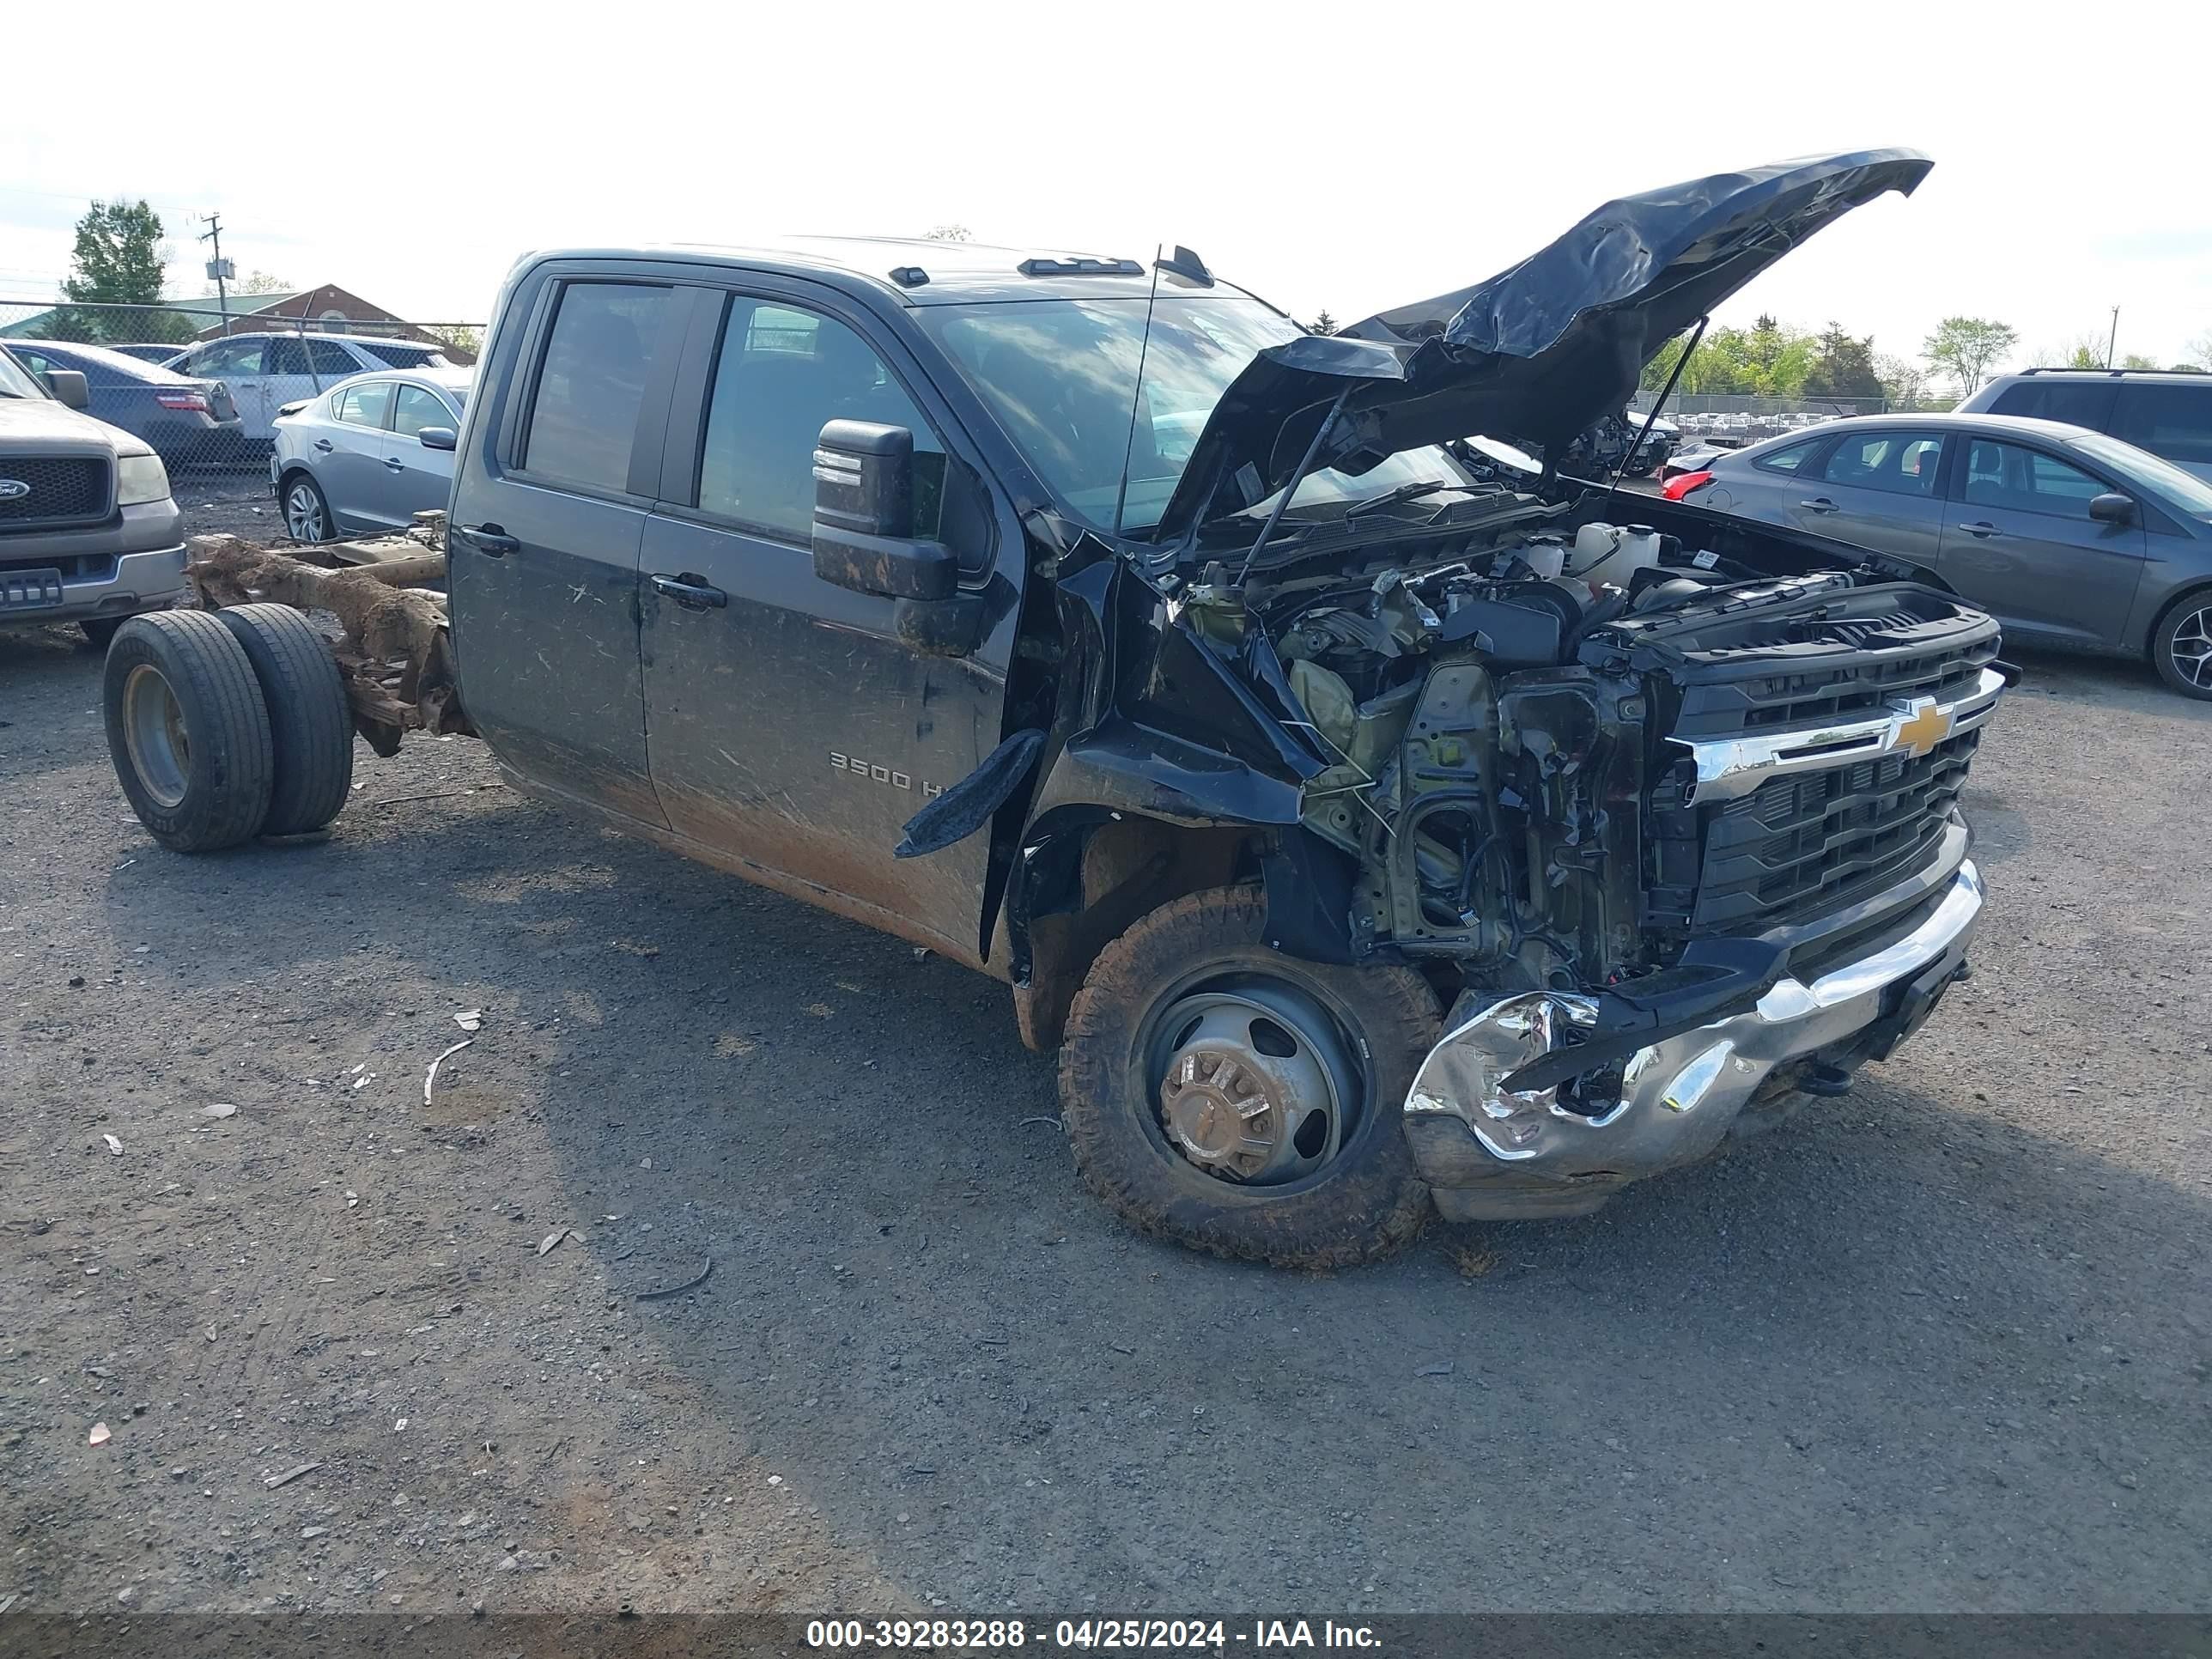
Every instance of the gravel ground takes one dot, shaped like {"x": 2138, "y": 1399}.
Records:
{"x": 1946, "y": 1344}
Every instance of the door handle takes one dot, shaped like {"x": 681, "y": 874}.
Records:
{"x": 487, "y": 539}
{"x": 1819, "y": 504}
{"x": 395, "y": 463}
{"x": 324, "y": 445}
{"x": 691, "y": 591}
{"x": 1983, "y": 528}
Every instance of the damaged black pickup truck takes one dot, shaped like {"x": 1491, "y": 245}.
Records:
{"x": 1367, "y": 832}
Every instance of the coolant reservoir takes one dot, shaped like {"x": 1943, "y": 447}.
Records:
{"x": 1594, "y": 541}
{"x": 1639, "y": 551}
{"x": 1545, "y": 555}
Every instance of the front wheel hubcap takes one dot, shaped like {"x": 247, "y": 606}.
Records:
{"x": 2191, "y": 649}
{"x": 1254, "y": 1087}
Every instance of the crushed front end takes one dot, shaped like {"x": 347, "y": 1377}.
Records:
{"x": 1672, "y": 850}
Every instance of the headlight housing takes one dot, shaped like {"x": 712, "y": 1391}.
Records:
{"x": 140, "y": 479}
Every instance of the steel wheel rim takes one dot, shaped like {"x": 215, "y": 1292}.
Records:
{"x": 154, "y": 732}
{"x": 1251, "y": 1083}
{"x": 2191, "y": 648}
{"x": 303, "y": 513}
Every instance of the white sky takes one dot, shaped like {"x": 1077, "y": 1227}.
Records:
{"x": 1350, "y": 157}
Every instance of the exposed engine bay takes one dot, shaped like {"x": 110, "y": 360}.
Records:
{"x": 1490, "y": 686}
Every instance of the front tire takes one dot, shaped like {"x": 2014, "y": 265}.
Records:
{"x": 1241, "y": 1101}
{"x": 307, "y": 511}
{"x": 187, "y": 730}
{"x": 2181, "y": 646}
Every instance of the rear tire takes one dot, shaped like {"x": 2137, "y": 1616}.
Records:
{"x": 2181, "y": 645}
{"x": 187, "y": 730}
{"x": 309, "y": 719}
{"x": 308, "y": 510}
{"x": 1367, "y": 1028}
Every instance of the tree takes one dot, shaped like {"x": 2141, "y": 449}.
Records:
{"x": 257, "y": 282}
{"x": 118, "y": 260}
{"x": 2136, "y": 360}
{"x": 464, "y": 339}
{"x": 1321, "y": 323}
{"x": 2075, "y": 352}
{"x": 2199, "y": 350}
{"x": 1967, "y": 348}
{"x": 1904, "y": 382}
{"x": 948, "y": 234}
{"x": 1842, "y": 368}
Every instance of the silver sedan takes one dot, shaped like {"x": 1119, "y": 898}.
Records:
{"x": 367, "y": 455}
{"x": 2068, "y": 537}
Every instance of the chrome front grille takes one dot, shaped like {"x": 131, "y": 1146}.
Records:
{"x": 1796, "y": 822}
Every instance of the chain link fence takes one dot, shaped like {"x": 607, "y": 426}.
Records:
{"x": 1733, "y": 419}
{"x": 203, "y": 385}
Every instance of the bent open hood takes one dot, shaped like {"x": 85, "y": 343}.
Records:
{"x": 1539, "y": 351}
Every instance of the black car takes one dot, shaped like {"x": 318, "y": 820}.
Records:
{"x": 2168, "y": 413}
{"x": 186, "y": 421}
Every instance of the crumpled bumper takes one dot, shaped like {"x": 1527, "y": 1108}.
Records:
{"x": 1492, "y": 1152}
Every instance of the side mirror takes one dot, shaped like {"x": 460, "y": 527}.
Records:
{"x": 864, "y": 535}
{"x": 68, "y": 387}
{"x": 437, "y": 437}
{"x": 2112, "y": 507}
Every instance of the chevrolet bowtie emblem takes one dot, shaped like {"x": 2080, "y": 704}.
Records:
{"x": 1923, "y": 727}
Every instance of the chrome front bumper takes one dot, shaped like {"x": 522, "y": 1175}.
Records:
{"x": 1490, "y": 1152}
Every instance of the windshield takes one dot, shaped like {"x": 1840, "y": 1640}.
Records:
{"x": 2183, "y": 488}
{"x": 15, "y": 380}
{"x": 1061, "y": 375}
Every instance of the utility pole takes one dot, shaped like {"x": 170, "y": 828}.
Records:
{"x": 218, "y": 267}
{"x": 2113, "y": 338}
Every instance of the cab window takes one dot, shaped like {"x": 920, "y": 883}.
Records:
{"x": 591, "y": 384}
{"x": 781, "y": 374}
{"x": 363, "y": 405}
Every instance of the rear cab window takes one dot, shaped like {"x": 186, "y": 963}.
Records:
{"x": 590, "y": 386}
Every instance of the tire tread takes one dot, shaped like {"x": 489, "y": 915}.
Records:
{"x": 1365, "y": 1214}
{"x": 227, "y": 781}
{"x": 309, "y": 719}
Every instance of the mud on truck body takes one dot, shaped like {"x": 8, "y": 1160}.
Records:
{"x": 1369, "y": 834}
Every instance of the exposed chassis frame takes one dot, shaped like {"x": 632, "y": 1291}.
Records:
{"x": 387, "y": 593}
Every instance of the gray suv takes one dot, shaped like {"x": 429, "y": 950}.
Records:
{"x": 2068, "y": 537}
{"x": 88, "y": 533}
{"x": 2168, "y": 414}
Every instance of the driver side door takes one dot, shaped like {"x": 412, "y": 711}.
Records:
{"x": 787, "y": 723}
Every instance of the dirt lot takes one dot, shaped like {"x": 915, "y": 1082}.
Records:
{"x": 1946, "y": 1344}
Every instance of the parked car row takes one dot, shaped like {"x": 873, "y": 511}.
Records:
{"x": 2069, "y": 537}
